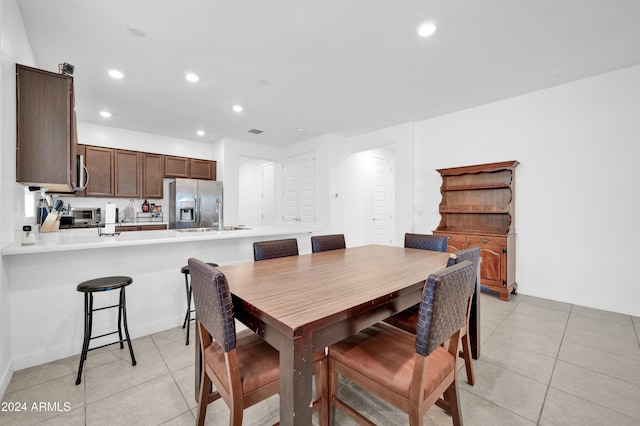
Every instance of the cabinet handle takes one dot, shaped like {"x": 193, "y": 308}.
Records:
{"x": 484, "y": 240}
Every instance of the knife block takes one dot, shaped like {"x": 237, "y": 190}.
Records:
{"x": 51, "y": 223}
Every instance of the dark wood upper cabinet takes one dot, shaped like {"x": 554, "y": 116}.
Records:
{"x": 46, "y": 129}
{"x": 127, "y": 173}
{"x": 194, "y": 168}
{"x": 99, "y": 163}
{"x": 178, "y": 167}
{"x": 152, "y": 176}
{"x": 202, "y": 169}
{"x": 133, "y": 174}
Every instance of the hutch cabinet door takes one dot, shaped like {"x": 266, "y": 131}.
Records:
{"x": 493, "y": 266}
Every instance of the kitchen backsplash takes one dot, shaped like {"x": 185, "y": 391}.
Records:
{"x": 121, "y": 203}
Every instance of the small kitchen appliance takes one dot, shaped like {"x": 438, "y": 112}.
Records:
{"x": 28, "y": 237}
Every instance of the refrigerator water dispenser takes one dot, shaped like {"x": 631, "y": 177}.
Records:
{"x": 186, "y": 210}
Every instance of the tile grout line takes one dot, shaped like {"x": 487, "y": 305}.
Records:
{"x": 555, "y": 362}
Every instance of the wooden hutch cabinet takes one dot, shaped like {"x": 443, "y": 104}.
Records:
{"x": 477, "y": 210}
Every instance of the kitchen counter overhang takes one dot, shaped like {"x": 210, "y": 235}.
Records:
{"x": 83, "y": 239}
{"x": 46, "y": 311}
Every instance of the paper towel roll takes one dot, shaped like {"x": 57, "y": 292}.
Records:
{"x": 110, "y": 219}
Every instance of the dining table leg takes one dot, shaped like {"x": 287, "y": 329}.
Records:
{"x": 296, "y": 381}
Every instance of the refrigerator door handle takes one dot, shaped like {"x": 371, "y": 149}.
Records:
{"x": 198, "y": 207}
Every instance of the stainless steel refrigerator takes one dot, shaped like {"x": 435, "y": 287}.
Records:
{"x": 195, "y": 203}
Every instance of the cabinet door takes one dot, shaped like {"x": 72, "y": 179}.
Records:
{"x": 493, "y": 269}
{"x": 99, "y": 163}
{"x": 45, "y": 153}
{"x": 201, "y": 169}
{"x": 127, "y": 172}
{"x": 152, "y": 175}
{"x": 177, "y": 167}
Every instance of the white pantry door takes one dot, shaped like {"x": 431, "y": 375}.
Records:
{"x": 299, "y": 189}
{"x": 268, "y": 201}
{"x": 381, "y": 201}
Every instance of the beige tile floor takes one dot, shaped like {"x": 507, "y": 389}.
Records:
{"x": 542, "y": 363}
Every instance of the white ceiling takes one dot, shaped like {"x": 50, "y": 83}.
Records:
{"x": 342, "y": 66}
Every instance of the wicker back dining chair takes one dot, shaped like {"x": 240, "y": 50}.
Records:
{"x": 408, "y": 319}
{"x": 243, "y": 367}
{"x": 327, "y": 242}
{"x": 409, "y": 371}
{"x": 264, "y": 250}
{"x": 425, "y": 242}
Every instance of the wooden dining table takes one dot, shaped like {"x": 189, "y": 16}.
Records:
{"x": 302, "y": 304}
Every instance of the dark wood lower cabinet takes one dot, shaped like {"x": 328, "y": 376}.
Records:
{"x": 156, "y": 227}
{"x": 494, "y": 250}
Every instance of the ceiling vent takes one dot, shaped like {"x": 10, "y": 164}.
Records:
{"x": 255, "y": 131}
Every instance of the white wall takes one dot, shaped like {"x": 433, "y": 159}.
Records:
{"x": 112, "y": 137}
{"x": 576, "y": 198}
{"x": 14, "y": 48}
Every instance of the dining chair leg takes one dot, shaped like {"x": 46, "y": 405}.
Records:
{"x": 203, "y": 398}
{"x": 333, "y": 392}
{"x": 453, "y": 402}
{"x": 468, "y": 362}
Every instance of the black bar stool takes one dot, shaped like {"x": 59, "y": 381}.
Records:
{"x": 187, "y": 287}
{"x": 103, "y": 284}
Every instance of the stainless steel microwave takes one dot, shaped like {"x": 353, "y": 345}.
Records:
{"x": 83, "y": 215}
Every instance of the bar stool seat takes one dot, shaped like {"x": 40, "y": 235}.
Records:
{"x": 98, "y": 285}
{"x": 187, "y": 287}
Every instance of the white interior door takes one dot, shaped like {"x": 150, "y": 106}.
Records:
{"x": 268, "y": 201}
{"x": 381, "y": 201}
{"x": 299, "y": 189}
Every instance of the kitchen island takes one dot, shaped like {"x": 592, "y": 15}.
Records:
{"x": 47, "y": 311}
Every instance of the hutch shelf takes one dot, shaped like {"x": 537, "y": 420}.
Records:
{"x": 477, "y": 210}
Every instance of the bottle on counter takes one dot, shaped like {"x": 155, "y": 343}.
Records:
{"x": 145, "y": 207}
{"x": 129, "y": 214}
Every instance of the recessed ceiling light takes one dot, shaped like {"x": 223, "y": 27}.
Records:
{"x": 300, "y": 129}
{"x": 116, "y": 74}
{"x": 200, "y": 132}
{"x": 427, "y": 29}
{"x": 105, "y": 114}
{"x": 238, "y": 108}
{"x": 191, "y": 77}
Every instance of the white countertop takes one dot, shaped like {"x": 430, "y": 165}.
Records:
{"x": 83, "y": 239}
